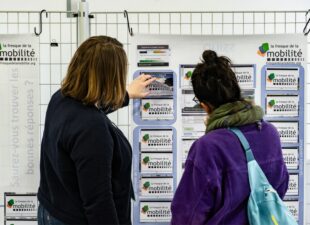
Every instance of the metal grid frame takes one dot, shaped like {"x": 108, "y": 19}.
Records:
{"x": 63, "y": 30}
{"x": 219, "y": 23}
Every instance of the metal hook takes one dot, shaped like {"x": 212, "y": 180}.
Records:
{"x": 128, "y": 24}
{"x": 307, "y": 23}
{"x": 35, "y": 29}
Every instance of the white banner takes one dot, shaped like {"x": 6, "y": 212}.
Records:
{"x": 19, "y": 120}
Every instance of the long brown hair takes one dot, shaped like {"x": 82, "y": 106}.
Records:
{"x": 97, "y": 73}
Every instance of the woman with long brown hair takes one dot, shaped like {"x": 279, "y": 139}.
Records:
{"x": 85, "y": 159}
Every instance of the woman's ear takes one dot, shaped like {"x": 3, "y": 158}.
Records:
{"x": 206, "y": 107}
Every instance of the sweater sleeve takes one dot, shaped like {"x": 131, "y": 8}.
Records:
{"x": 193, "y": 199}
{"x": 92, "y": 154}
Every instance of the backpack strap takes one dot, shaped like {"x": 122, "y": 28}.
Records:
{"x": 256, "y": 174}
{"x": 245, "y": 144}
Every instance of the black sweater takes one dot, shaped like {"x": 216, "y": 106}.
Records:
{"x": 85, "y": 165}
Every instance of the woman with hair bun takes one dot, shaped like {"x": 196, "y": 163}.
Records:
{"x": 214, "y": 188}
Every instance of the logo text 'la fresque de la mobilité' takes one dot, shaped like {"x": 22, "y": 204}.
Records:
{"x": 281, "y": 52}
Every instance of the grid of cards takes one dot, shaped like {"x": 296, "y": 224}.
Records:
{"x": 282, "y": 99}
{"x": 156, "y": 181}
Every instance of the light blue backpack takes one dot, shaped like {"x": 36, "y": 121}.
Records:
{"x": 265, "y": 207}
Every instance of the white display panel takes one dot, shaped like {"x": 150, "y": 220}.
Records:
{"x": 261, "y": 56}
{"x": 164, "y": 23}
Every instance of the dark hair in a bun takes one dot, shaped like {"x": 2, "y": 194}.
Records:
{"x": 214, "y": 81}
{"x": 209, "y": 57}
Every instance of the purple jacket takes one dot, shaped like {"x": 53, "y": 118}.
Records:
{"x": 214, "y": 188}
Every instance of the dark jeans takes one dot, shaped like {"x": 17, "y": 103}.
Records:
{"x": 44, "y": 218}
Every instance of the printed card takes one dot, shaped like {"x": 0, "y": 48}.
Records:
{"x": 282, "y": 79}
{"x": 155, "y": 212}
{"x": 293, "y": 185}
{"x": 291, "y": 159}
{"x": 285, "y": 105}
{"x": 156, "y": 162}
{"x": 157, "y": 109}
{"x": 156, "y": 187}
{"x": 293, "y": 207}
{"x": 288, "y": 131}
{"x": 156, "y": 140}
{"x": 20, "y": 206}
